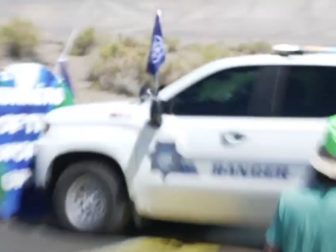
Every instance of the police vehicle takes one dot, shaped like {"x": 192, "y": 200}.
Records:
{"x": 217, "y": 146}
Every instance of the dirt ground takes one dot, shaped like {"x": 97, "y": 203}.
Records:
{"x": 48, "y": 53}
{"x": 293, "y": 21}
{"x": 300, "y": 21}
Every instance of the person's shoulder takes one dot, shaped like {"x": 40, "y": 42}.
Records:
{"x": 301, "y": 198}
{"x": 292, "y": 194}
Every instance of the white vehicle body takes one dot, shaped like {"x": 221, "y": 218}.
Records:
{"x": 230, "y": 169}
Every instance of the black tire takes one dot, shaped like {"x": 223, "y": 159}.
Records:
{"x": 141, "y": 223}
{"x": 117, "y": 215}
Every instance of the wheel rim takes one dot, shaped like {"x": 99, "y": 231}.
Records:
{"x": 86, "y": 203}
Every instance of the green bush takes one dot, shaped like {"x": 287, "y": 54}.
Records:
{"x": 19, "y": 38}
{"x": 84, "y": 42}
{"x": 121, "y": 64}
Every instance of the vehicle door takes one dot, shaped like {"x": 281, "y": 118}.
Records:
{"x": 304, "y": 100}
{"x": 214, "y": 149}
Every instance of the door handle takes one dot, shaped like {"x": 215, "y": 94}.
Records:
{"x": 232, "y": 138}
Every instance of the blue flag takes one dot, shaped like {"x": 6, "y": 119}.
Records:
{"x": 157, "y": 54}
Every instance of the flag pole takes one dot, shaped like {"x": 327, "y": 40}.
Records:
{"x": 75, "y": 31}
{"x": 157, "y": 53}
{"x": 157, "y": 74}
{"x": 156, "y": 83}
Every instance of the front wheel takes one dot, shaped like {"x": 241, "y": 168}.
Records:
{"x": 90, "y": 197}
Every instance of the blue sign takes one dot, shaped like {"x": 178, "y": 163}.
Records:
{"x": 252, "y": 170}
{"x": 166, "y": 159}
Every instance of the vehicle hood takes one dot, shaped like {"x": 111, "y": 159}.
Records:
{"x": 97, "y": 113}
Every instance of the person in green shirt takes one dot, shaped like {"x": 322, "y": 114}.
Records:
{"x": 305, "y": 219}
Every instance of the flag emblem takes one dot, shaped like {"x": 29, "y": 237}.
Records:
{"x": 158, "y": 50}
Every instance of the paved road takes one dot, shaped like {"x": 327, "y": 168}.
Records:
{"x": 25, "y": 237}
{"x": 41, "y": 237}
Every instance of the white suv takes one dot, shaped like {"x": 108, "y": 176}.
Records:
{"x": 230, "y": 137}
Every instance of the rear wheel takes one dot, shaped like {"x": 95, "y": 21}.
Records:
{"x": 90, "y": 197}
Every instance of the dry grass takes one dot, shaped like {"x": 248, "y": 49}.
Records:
{"x": 120, "y": 65}
{"x": 19, "y": 38}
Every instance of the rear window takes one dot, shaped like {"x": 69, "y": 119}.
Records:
{"x": 309, "y": 91}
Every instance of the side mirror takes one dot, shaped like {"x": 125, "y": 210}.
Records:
{"x": 156, "y": 113}
{"x": 161, "y": 87}
{"x": 145, "y": 93}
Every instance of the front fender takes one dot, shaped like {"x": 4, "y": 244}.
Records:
{"x": 114, "y": 142}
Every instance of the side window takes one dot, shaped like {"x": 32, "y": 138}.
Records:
{"x": 228, "y": 92}
{"x": 309, "y": 91}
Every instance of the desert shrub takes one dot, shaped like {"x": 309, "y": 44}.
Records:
{"x": 179, "y": 64}
{"x": 121, "y": 64}
{"x": 19, "y": 38}
{"x": 172, "y": 44}
{"x": 84, "y": 42}
{"x": 253, "y": 48}
{"x": 208, "y": 52}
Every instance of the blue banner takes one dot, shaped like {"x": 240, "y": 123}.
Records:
{"x": 27, "y": 92}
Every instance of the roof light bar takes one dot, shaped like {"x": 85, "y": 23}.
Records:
{"x": 288, "y": 49}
